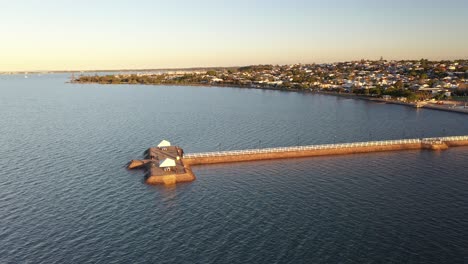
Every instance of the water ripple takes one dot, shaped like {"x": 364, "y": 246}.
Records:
{"x": 65, "y": 196}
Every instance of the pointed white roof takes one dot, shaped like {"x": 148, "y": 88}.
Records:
{"x": 164, "y": 143}
{"x": 167, "y": 163}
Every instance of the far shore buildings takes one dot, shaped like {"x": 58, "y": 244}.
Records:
{"x": 362, "y": 77}
{"x": 417, "y": 76}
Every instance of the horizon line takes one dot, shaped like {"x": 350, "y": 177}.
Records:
{"x": 215, "y": 67}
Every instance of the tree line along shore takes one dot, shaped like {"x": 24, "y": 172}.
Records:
{"x": 407, "y": 81}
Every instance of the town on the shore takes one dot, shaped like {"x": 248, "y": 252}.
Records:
{"x": 404, "y": 81}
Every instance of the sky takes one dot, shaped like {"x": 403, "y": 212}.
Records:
{"x": 143, "y": 34}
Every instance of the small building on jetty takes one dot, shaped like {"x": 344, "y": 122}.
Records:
{"x": 163, "y": 165}
{"x": 167, "y": 164}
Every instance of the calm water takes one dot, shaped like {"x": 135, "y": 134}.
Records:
{"x": 66, "y": 197}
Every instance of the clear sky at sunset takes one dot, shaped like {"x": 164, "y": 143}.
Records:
{"x": 126, "y": 34}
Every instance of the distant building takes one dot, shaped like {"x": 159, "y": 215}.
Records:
{"x": 432, "y": 90}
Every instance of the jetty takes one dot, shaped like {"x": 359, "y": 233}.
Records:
{"x": 166, "y": 164}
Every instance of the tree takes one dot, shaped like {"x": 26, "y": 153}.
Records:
{"x": 399, "y": 84}
{"x": 440, "y": 96}
{"x": 375, "y": 91}
{"x": 411, "y": 97}
{"x": 461, "y": 92}
{"x": 286, "y": 85}
{"x": 211, "y": 73}
{"x": 424, "y": 63}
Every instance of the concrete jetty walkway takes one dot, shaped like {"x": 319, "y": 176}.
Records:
{"x": 439, "y": 143}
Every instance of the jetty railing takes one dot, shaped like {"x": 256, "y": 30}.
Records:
{"x": 324, "y": 146}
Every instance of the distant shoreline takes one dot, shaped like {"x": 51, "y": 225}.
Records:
{"x": 117, "y": 70}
